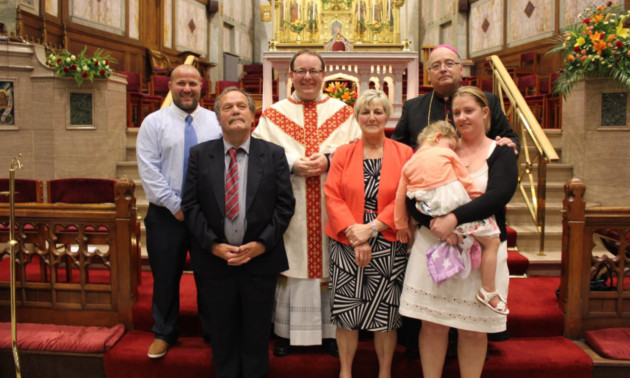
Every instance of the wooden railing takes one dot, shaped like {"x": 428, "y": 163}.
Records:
{"x": 583, "y": 257}
{"x": 76, "y": 263}
{"x": 532, "y": 166}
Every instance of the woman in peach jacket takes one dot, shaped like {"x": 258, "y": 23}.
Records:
{"x": 366, "y": 262}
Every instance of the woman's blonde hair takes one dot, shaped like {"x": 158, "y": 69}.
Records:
{"x": 369, "y": 96}
{"x": 481, "y": 99}
{"x": 439, "y": 127}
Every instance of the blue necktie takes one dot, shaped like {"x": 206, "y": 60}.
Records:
{"x": 190, "y": 139}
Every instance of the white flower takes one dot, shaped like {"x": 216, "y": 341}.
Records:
{"x": 85, "y": 68}
{"x": 73, "y": 57}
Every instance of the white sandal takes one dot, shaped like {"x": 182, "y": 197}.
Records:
{"x": 485, "y": 297}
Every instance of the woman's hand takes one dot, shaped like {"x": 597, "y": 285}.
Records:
{"x": 403, "y": 235}
{"x": 363, "y": 254}
{"x": 443, "y": 226}
{"x": 358, "y": 233}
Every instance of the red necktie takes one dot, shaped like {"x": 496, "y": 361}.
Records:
{"x": 231, "y": 187}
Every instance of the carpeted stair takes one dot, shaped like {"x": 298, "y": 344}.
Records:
{"x": 535, "y": 349}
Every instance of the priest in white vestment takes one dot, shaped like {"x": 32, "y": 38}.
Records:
{"x": 309, "y": 125}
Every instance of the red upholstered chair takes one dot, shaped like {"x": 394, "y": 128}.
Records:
{"x": 554, "y": 104}
{"x": 469, "y": 80}
{"x": 529, "y": 62}
{"x": 25, "y": 190}
{"x": 158, "y": 85}
{"x": 139, "y": 104}
{"x": 222, "y": 84}
{"x": 81, "y": 190}
{"x": 528, "y": 86}
{"x": 487, "y": 85}
{"x": 253, "y": 69}
{"x": 205, "y": 88}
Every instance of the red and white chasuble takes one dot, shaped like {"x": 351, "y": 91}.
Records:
{"x": 304, "y": 128}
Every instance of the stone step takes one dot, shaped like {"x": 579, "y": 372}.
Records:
{"x": 519, "y": 214}
{"x": 130, "y": 152}
{"x": 528, "y": 239}
{"x": 556, "y": 172}
{"x": 128, "y": 168}
{"x": 554, "y": 192}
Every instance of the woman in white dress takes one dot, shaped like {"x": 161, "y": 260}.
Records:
{"x": 453, "y": 303}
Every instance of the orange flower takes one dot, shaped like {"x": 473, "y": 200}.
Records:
{"x": 346, "y": 96}
{"x": 570, "y": 58}
{"x": 595, "y": 37}
{"x": 610, "y": 37}
{"x": 599, "y": 46}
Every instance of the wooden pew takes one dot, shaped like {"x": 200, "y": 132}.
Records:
{"x": 582, "y": 257}
{"x": 101, "y": 244}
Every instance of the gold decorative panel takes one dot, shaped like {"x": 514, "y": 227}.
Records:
{"x": 366, "y": 24}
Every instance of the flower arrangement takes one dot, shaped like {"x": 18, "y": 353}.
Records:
{"x": 375, "y": 26}
{"x": 298, "y": 25}
{"x": 597, "y": 46}
{"x": 340, "y": 91}
{"x": 66, "y": 64}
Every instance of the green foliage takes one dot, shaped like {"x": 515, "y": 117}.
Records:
{"x": 66, "y": 64}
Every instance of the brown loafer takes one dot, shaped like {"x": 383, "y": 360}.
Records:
{"x": 158, "y": 348}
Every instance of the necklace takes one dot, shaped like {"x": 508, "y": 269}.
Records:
{"x": 431, "y": 105}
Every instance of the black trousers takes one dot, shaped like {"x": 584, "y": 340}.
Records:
{"x": 168, "y": 241}
{"x": 239, "y": 310}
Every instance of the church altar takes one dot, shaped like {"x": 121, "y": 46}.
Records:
{"x": 378, "y": 67}
{"x": 366, "y": 24}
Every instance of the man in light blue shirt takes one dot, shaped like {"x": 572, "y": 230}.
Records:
{"x": 162, "y": 151}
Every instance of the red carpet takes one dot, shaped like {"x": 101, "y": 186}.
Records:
{"x": 548, "y": 357}
{"x": 517, "y": 263}
{"x": 190, "y": 357}
{"x": 613, "y": 343}
{"x": 534, "y": 309}
{"x": 536, "y": 348}
{"x": 189, "y": 323}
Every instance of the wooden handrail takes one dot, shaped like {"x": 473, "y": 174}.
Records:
{"x": 586, "y": 309}
{"x": 527, "y": 127}
{"x": 168, "y": 100}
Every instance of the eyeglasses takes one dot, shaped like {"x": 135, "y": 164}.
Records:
{"x": 448, "y": 64}
{"x": 310, "y": 72}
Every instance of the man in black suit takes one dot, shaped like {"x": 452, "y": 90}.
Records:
{"x": 238, "y": 202}
{"x": 444, "y": 69}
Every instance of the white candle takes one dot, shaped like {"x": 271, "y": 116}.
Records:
{"x": 374, "y": 10}
{"x": 405, "y": 14}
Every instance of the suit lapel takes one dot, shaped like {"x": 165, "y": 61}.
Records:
{"x": 217, "y": 174}
{"x": 254, "y": 171}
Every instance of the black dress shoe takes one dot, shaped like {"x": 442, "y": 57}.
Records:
{"x": 330, "y": 347}
{"x": 282, "y": 348}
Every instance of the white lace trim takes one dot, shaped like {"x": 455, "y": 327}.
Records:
{"x": 434, "y": 308}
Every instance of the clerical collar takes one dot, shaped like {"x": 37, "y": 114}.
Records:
{"x": 295, "y": 97}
